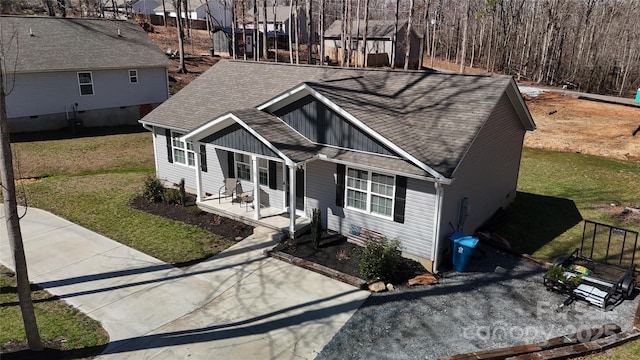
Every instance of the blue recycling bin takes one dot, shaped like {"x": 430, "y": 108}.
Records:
{"x": 462, "y": 249}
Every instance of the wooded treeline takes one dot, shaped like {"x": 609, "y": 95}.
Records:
{"x": 589, "y": 45}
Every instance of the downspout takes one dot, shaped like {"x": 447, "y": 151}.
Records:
{"x": 153, "y": 132}
{"x": 436, "y": 225}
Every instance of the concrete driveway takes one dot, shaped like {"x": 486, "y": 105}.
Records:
{"x": 236, "y": 305}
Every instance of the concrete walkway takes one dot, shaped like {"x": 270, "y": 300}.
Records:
{"x": 236, "y": 305}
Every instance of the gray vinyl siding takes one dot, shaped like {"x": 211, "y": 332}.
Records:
{"x": 320, "y": 124}
{"x": 416, "y": 234}
{"x": 172, "y": 172}
{"x": 36, "y": 94}
{"x": 237, "y": 137}
{"x": 488, "y": 174}
{"x": 213, "y": 178}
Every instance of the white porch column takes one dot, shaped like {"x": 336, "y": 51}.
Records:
{"x": 256, "y": 188}
{"x": 292, "y": 201}
{"x": 284, "y": 186}
{"x": 198, "y": 176}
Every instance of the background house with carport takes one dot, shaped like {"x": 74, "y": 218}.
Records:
{"x": 405, "y": 154}
{"x": 62, "y": 70}
{"x": 379, "y": 47}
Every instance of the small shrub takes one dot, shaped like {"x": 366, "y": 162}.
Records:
{"x": 194, "y": 210}
{"x": 217, "y": 220}
{"x": 183, "y": 193}
{"x": 153, "y": 189}
{"x": 342, "y": 255}
{"x": 556, "y": 273}
{"x": 172, "y": 196}
{"x": 316, "y": 228}
{"x": 379, "y": 259}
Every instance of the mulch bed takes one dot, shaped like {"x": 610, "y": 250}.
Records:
{"x": 336, "y": 253}
{"x": 227, "y": 228}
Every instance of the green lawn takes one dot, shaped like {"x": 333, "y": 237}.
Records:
{"x": 56, "y": 320}
{"x": 90, "y": 180}
{"x": 558, "y": 190}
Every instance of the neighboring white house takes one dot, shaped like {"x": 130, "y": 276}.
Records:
{"x": 406, "y": 154}
{"x": 69, "y": 70}
{"x": 198, "y": 10}
{"x": 146, "y": 7}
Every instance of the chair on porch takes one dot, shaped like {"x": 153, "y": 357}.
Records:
{"x": 229, "y": 188}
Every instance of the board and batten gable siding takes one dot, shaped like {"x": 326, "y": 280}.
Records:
{"x": 237, "y": 137}
{"x": 415, "y": 234}
{"x": 320, "y": 124}
{"x": 488, "y": 174}
{"x": 51, "y": 93}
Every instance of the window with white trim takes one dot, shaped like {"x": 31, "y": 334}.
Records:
{"x": 133, "y": 76}
{"x": 182, "y": 153}
{"x": 85, "y": 81}
{"x": 263, "y": 169}
{"x": 370, "y": 192}
{"x": 243, "y": 166}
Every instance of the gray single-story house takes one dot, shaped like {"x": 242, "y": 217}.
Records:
{"x": 400, "y": 153}
{"x": 69, "y": 70}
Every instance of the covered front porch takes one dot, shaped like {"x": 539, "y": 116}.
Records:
{"x": 272, "y": 218}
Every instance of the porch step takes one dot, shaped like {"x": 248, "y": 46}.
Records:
{"x": 267, "y": 233}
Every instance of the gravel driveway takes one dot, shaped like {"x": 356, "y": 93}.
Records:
{"x": 500, "y": 301}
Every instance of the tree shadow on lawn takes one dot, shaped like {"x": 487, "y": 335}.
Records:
{"x": 533, "y": 221}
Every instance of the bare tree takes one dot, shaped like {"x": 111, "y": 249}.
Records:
{"x": 394, "y": 44}
{"x": 49, "y": 5}
{"x": 234, "y": 20}
{"x": 364, "y": 35}
{"x": 62, "y": 6}
{"x": 265, "y": 48}
{"x": 407, "y": 39}
{"x": 177, "y": 5}
{"x": 256, "y": 38}
{"x": 12, "y": 219}
{"x": 309, "y": 31}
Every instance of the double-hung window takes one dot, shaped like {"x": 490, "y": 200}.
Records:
{"x": 243, "y": 166}
{"x": 370, "y": 192}
{"x": 85, "y": 80}
{"x": 183, "y": 153}
{"x": 133, "y": 76}
{"x": 263, "y": 169}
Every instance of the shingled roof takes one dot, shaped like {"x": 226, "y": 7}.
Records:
{"x": 48, "y": 44}
{"x": 432, "y": 116}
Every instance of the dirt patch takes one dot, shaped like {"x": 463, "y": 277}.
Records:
{"x": 216, "y": 224}
{"x": 627, "y": 214}
{"x": 566, "y": 123}
{"x": 197, "y": 56}
{"x": 336, "y": 253}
